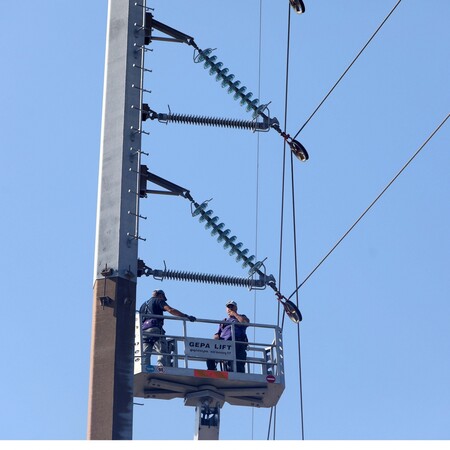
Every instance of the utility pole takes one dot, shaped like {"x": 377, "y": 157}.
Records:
{"x": 110, "y": 412}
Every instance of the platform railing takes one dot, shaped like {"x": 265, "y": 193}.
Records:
{"x": 191, "y": 344}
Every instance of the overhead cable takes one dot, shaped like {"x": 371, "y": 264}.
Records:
{"x": 257, "y": 189}
{"x": 348, "y": 68}
{"x": 294, "y": 226}
{"x": 282, "y": 227}
{"x": 372, "y": 204}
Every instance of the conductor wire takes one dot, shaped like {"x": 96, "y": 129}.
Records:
{"x": 294, "y": 225}
{"x": 273, "y": 409}
{"x": 257, "y": 187}
{"x": 372, "y": 204}
{"x": 273, "y": 413}
{"x": 347, "y": 69}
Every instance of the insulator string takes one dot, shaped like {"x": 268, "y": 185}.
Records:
{"x": 227, "y": 80}
{"x": 229, "y": 242}
{"x": 252, "y": 125}
{"x": 206, "y": 278}
{"x": 240, "y": 93}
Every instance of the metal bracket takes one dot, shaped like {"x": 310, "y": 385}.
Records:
{"x": 172, "y": 188}
{"x": 105, "y": 300}
{"x": 176, "y": 36}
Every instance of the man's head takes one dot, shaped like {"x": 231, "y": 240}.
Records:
{"x": 159, "y": 293}
{"x": 231, "y": 304}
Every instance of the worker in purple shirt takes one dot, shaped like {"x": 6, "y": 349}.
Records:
{"x": 224, "y": 332}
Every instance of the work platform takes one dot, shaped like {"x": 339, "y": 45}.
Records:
{"x": 186, "y": 375}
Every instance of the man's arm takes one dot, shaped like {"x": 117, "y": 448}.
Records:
{"x": 176, "y": 312}
{"x": 242, "y": 318}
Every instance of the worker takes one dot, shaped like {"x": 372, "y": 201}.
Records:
{"x": 157, "y": 304}
{"x": 240, "y": 336}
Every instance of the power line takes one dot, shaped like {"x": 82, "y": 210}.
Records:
{"x": 293, "y": 199}
{"x": 294, "y": 226}
{"x": 372, "y": 204}
{"x": 273, "y": 410}
{"x": 347, "y": 69}
{"x": 257, "y": 186}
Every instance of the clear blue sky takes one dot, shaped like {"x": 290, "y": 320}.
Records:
{"x": 375, "y": 339}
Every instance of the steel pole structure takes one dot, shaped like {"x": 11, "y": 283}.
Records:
{"x": 110, "y": 411}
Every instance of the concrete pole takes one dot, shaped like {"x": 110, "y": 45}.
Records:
{"x": 110, "y": 412}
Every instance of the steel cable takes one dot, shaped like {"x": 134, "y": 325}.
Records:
{"x": 371, "y": 205}
{"x": 347, "y": 69}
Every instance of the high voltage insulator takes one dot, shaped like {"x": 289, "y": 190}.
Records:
{"x": 229, "y": 242}
{"x": 227, "y": 80}
{"x": 297, "y": 148}
{"x": 219, "y": 122}
{"x": 253, "y": 125}
{"x": 207, "y": 278}
{"x": 234, "y": 87}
